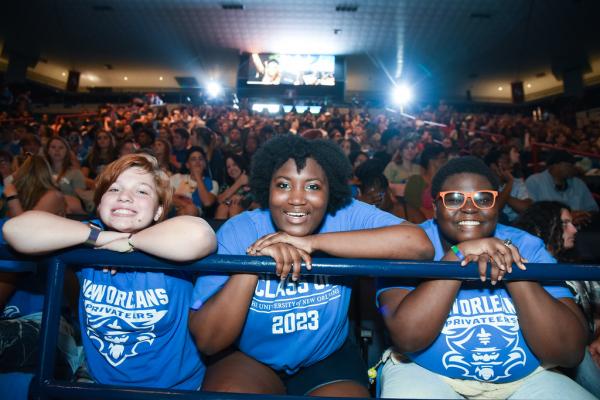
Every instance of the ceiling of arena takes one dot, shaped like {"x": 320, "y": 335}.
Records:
{"x": 454, "y": 45}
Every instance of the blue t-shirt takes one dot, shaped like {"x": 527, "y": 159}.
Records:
{"x": 134, "y": 328}
{"x": 481, "y": 339}
{"x": 292, "y": 324}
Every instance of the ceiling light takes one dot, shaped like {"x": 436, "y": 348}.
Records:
{"x": 500, "y": 88}
{"x": 160, "y": 78}
{"x": 529, "y": 86}
{"x": 125, "y": 78}
{"x": 402, "y": 94}
{"x": 64, "y": 74}
{"x": 213, "y": 89}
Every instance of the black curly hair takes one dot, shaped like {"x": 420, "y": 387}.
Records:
{"x": 462, "y": 165}
{"x": 277, "y": 151}
{"x": 543, "y": 220}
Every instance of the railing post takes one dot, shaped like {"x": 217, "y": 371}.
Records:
{"x": 50, "y": 323}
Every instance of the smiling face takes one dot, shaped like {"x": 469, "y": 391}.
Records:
{"x": 233, "y": 170}
{"x": 131, "y": 203}
{"x": 467, "y": 222}
{"x": 298, "y": 200}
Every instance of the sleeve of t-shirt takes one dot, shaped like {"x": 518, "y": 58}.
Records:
{"x": 532, "y": 188}
{"x": 215, "y": 187}
{"x": 520, "y": 190}
{"x": 232, "y": 238}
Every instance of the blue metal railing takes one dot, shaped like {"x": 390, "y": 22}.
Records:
{"x": 45, "y": 386}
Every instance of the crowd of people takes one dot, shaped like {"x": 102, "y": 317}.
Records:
{"x": 343, "y": 183}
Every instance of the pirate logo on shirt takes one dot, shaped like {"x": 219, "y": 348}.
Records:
{"x": 484, "y": 352}
{"x": 119, "y": 336}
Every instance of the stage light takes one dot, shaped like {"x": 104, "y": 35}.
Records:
{"x": 402, "y": 94}
{"x": 213, "y": 89}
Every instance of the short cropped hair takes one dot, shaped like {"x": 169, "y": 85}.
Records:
{"x": 145, "y": 162}
{"x": 183, "y": 133}
{"x": 277, "y": 151}
{"x": 462, "y": 165}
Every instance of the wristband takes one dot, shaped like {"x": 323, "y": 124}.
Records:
{"x": 457, "y": 253}
{"x": 93, "y": 237}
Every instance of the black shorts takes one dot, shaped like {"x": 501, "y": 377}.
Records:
{"x": 345, "y": 364}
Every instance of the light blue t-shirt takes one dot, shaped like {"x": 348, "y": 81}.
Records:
{"x": 481, "y": 339}
{"x": 577, "y": 195}
{"x": 291, "y": 325}
{"x": 134, "y": 328}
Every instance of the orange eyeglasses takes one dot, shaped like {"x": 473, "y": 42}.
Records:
{"x": 482, "y": 199}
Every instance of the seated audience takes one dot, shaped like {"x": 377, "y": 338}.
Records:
{"x": 235, "y": 195}
{"x": 559, "y": 183}
{"x": 69, "y": 178}
{"x": 513, "y": 198}
{"x": 196, "y": 191}
{"x": 417, "y": 194}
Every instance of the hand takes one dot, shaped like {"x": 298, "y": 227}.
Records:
{"x": 496, "y": 252}
{"x": 10, "y": 189}
{"x": 106, "y": 237}
{"x": 303, "y": 243}
{"x": 287, "y": 258}
{"x": 506, "y": 175}
{"x": 197, "y": 173}
{"x": 120, "y": 245}
{"x": 235, "y": 200}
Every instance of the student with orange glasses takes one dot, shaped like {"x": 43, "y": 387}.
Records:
{"x": 458, "y": 339}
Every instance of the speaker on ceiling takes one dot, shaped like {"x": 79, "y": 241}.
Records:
{"x": 73, "y": 81}
{"x": 518, "y": 95}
